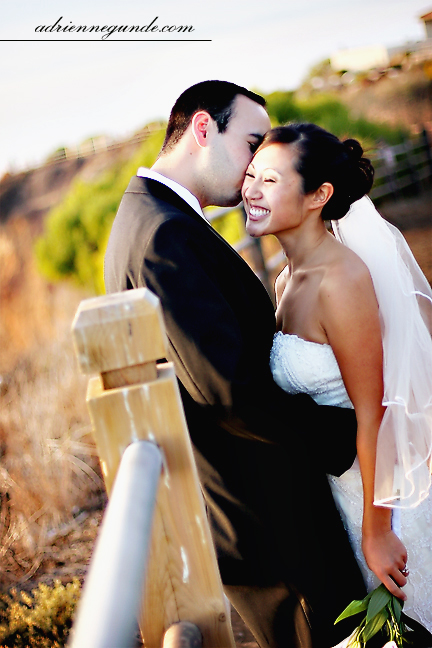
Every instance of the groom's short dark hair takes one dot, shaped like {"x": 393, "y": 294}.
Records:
{"x": 215, "y": 97}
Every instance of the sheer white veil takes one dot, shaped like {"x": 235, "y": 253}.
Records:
{"x": 404, "y": 296}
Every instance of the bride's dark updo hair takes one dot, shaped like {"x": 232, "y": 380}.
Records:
{"x": 322, "y": 157}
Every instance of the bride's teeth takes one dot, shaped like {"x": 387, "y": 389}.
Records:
{"x": 255, "y": 211}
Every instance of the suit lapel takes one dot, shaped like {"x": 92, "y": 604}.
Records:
{"x": 160, "y": 191}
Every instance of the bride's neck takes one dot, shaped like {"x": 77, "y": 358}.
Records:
{"x": 304, "y": 246}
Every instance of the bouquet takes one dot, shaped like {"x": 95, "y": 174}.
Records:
{"x": 383, "y": 612}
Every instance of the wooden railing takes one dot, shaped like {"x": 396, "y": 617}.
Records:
{"x": 402, "y": 167}
{"x": 154, "y": 561}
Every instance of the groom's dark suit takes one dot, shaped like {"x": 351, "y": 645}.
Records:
{"x": 261, "y": 453}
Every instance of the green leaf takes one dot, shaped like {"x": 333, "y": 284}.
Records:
{"x": 379, "y": 599}
{"x": 373, "y": 626}
{"x": 397, "y": 605}
{"x": 353, "y": 608}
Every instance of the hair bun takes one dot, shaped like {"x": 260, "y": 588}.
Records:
{"x": 353, "y": 149}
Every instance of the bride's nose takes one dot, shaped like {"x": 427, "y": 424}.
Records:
{"x": 251, "y": 188}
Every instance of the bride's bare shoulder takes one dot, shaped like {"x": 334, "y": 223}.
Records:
{"x": 280, "y": 283}
{"x": 346, "y": 275}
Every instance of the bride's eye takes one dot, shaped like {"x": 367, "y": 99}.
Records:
{"x": 248, "y": 174}
{"x": 269, "y": 180}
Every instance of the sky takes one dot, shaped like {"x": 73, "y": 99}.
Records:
{"x": 60, "y": 92}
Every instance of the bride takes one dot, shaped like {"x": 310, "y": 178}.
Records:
{"x": 352, "y": 332}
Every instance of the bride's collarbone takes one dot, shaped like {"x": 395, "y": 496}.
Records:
{"x": 300, "y": 318}
{"x": 301, "y": 290}
{"x": 298, "y": 311}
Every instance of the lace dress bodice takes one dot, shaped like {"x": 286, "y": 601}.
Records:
{"x": 301, "y": 366}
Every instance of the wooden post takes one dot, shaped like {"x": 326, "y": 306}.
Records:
{"x": 412, "y": 166}
{"x": 120, "y": 337}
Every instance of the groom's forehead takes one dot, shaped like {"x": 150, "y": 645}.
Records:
{"x": 250, "y": 116}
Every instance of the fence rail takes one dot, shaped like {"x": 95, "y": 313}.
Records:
{"x": 110, "y": 605}
{"x": 400, "y": 167}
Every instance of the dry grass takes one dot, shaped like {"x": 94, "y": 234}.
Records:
{"x": 49, "y": 471}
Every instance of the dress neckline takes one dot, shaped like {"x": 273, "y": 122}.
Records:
{"x": 293, "y": 335}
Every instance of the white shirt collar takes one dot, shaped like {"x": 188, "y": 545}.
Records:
{"x": 175, "y": 186}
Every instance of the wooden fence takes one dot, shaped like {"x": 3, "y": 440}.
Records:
{"x": 402, "y": 167}
{"x": 154, "y": 560}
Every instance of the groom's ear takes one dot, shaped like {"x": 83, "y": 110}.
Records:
{"x": 200, "y": 124}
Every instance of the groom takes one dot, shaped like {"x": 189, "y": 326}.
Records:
{"x": 262, "y": 454}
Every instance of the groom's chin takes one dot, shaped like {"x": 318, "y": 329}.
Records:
{"x": 234, "y": 201}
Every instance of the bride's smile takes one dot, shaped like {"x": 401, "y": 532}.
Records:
{"x": 272, "y": 192}
{"x": 255, "y": 213}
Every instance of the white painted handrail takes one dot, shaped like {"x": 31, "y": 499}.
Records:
{"x": 109, "y": 608}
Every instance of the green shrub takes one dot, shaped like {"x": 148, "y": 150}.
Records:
{"x": 42, "y": 619}
{"x": 282, "y": 107}
{"x": 76, "y": 231}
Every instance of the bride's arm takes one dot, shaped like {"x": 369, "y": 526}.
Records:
{"x": 349, "y": 315}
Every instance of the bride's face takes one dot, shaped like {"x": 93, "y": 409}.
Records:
{"x": 272, "y": 191}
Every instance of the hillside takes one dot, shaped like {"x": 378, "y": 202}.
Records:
{"x": 398, "y": 96}
{"x": 398, "y": 99}
{"x": 30, "y": 194}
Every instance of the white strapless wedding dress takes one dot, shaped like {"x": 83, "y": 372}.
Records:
{"x": 298, "y": 366}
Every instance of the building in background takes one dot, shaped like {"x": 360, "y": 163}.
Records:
{"x": 379, "y": 58}
{"x": 427, "y": 19}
